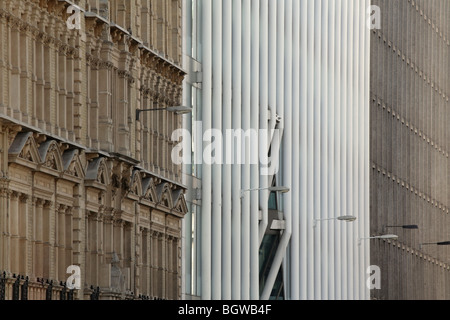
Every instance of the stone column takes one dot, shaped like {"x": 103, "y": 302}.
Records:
{"x": 128, "y": 256}
{"x": 25, "y": 72}
{"x": 38, "y": 238}
{"x": 177, "y": 268}
{"x": 105, "y": 99}
{"x": 60, "y": 242}
{"x": 79, "y": 227}
{"x": 108, "y": 242}
{"x": 70, "y": 89}
{"x": 4, "y": 247}
{"x": 93, "y": 242}
{"x": 144, "y": 277}
{"x": 2, "y": 67}
{"x": 14, "y": 83}
{"x": 123, "y": 129}
{"x": 94, "y": 82}
{"x": 108, "y": 232}
{"x": 163, "y": 265}
{"x": 62, "y": 90}
{"x": 14, "y": 231}
{"x": 23, "y": 234}
{"x": 49, "y": 68}
{"x": 138, "y": 277}
{"x": 118, "y": 239}
{"x": 153, "y": 289}
{"x": 169, "y": 268}
{"x": 40, "y": 80}
{"x": 34, "y": 47}
{"x": 88, "y": 256}
{"x": 48, "y": 240}
{"x": 69, "y": 237}
{"x": 100, "y": 237}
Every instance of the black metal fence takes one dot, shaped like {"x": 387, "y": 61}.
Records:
{"x": 19, "y": 287}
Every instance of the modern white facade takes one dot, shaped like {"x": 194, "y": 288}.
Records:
{"x": 302, "y": 67}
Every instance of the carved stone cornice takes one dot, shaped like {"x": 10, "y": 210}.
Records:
{"x": 44, "y": 38}
{"x": 95, "y": 25}
{"x": 108, "y": 216}
{"x": 63, "y": 48}
{"x": 156, "y": 234}
{"x": 118, "y": 222}
{"x": 38, "y": 202}
{"x": 24, "y": 198}
{"x": 61, "y": 208}
{"x": 5, "y": 192}
{"x": 69, "y": 211}
{"x": 48, "y": 204}
{"x": 15, "y": 195}
{"x": 124, "y": 74}
{"x": 105, "y": 64}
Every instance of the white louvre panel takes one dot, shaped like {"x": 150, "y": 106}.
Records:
{"x": 306, "y": 61}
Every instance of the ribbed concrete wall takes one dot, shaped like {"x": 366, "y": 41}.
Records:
{"x": 306, "y": 61}
{"x": 409, "y": 94}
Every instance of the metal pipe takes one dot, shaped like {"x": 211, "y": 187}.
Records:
{"x": 303, "y": 275}
{"x": 351, "y": 146}
{"x": 186, "y": 253}
{"x": 337, "y": 134}
{"x": 246, "y": 114}
{"x": 227, "y": 172}
{"x": 288, "y": 131}
{"x": 357, "y": 135}
{"x": 310, "y": 150}
{"x": 331, "y": 155}
{"x": 236, "y": 168}
{"x": 206, "y": 168}
{"x": 273, "y": 64}
{"x": 263, "y": 114}
{"x": 295, "y": 241}
{"x": 254, "y": 152}
{"x": 324, "y": 143}
{"x": 344, "y": 146}
{"x": 217, "y": 167}
{"x": 317, "y": 143}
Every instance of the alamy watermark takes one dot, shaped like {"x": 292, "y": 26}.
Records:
{"x": 374, "y": 280}
{"x": 374, "y": 20}
{"x": 74, "y": 280}
{"x": 74, "y": 20}
{"x": 237, "y": 146}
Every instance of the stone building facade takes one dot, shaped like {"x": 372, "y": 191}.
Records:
{"x": 82, "y": 181}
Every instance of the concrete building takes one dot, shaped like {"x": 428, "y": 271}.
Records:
{"x": 301, "y": 67}
{"x": 83, "y": 182}
{"x": 409, "y": 101}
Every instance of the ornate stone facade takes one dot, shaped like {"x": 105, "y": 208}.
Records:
{"x": 82, "y": 182}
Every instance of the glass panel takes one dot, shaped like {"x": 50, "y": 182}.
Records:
{"x": 273, "y": 201}
{"x": 266, "y": 255}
